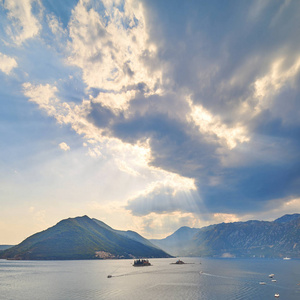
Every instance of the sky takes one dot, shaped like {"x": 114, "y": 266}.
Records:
{"x": 148, "y": 115}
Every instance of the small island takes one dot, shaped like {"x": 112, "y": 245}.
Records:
{"x": 178, "y": 262}
{"x": 141, "y": 263}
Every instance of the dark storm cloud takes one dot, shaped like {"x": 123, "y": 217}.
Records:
{"x": 100, "y": 116}
{"x": 215, "y": 52}
{"x": 176, "y": 144}
{"x": 173, "y": 146}
{"x": 250, "y": 188}
{"x": 207, "y": 43}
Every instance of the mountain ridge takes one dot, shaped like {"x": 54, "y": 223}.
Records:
{"x": 81, "y": 238}
{"x": 85, "y": 238}
{"x": 252, "y": 238}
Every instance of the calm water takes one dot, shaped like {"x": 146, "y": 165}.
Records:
{"x": 205, "y": 279}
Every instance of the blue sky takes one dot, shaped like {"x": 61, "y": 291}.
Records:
{"x": 148, "y": 115}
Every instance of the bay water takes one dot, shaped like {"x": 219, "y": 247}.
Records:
{"x": 199, "y": 278}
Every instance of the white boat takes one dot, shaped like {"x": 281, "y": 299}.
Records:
{"x": 286, "y": 258}
{"x": 273, "y": 280}
{"x": 262, "y": 283}
{"x": 271, "y": 275}
{"x": 276, "y": 295}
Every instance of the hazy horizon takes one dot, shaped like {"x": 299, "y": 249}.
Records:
{"x": 148, "y": 115}
{"x": 162, "y": 237}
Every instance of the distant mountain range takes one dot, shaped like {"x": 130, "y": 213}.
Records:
{"x": 4, "y": 247}
{"x": 83, "y": 238}
{"x": 279, "y": 238}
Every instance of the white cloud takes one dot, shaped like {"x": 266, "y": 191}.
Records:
{"x": 171, "y": 193}
{"x": 60, "y": 34}
{"x": 279, "y": 207}
{"x": 55, "y": 26}
{"x": 131, "y": 159}
{"x": 24, "y": 24}
{"x": 110, "y": 52}
{"x": 94, "y": 152}
{"x": 110, "y": 49}
{"x": 211, "y": 125}
{"x": 161, "y": 225}
{"x": 7, "y": 64}
{"x": 114, "y": 101}
{"x": 123, "y": 166}
{"x": 270, "y": 84}
{"x": 64, "y": 113}
{"x": 109, "y": 46}
{"x": 226, "y": 218}
{"x": 64, "y": 146}
{"x": 151, "y": 226}
{"x": 43, "y": 95}
{"x": 273, "y": 209}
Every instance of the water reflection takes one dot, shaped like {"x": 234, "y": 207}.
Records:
{"x": 205, "y": 279}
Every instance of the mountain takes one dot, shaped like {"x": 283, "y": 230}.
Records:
{"x": 82, "y": 238}
{"x": 129, "y": 234}
{"x": 4, "y": 247}
{"x": 279, "y": 238}
{"x": 178, "y": 242}
{"x": 287, "y": 218}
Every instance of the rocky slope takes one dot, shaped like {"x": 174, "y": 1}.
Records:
{"x": 279, "y": 238}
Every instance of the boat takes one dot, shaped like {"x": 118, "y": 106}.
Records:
{"x": 271, "y": 275}
{"x": 141, "y": 263}
{"x": 273, "y": 280}
{"x": 262, "y": 283}
{"x": 109, "y": 276}
{"x": 286, "y": 258}
{"x": 276, "y": 295}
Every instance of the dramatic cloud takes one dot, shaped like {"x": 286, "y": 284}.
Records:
{"x": 110, "y": 47}
{"x": 211, "y": 125}
{"x": 177, "y": 113}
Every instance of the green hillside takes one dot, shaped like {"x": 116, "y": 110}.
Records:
{"x": 129, "y": 234}
{"x": 80, "y": 238}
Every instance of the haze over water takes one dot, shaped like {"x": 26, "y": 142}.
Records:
{"x": 205, "y": 279}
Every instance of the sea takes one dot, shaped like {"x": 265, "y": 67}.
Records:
{"x": 198, "y": 278}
